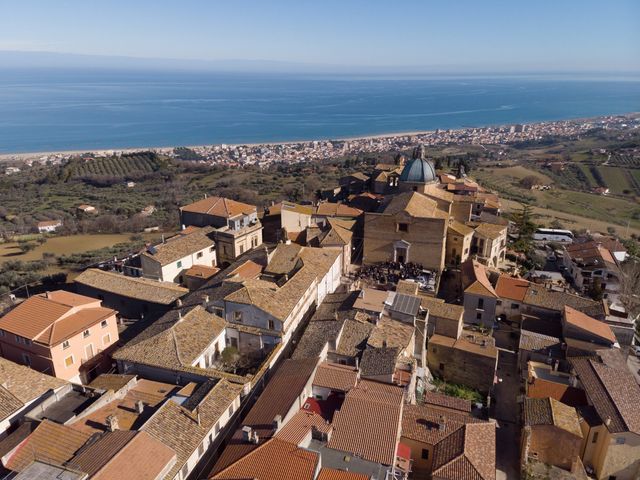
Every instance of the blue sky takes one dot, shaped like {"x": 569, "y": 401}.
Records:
{"x": 460, "y": 35}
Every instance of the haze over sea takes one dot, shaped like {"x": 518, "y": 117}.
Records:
{"x": 56, "y": 110}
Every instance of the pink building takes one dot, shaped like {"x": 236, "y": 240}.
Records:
{"x": 58, "y": 333}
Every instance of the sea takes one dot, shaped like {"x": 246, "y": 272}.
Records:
{"x": 59, "y": 110}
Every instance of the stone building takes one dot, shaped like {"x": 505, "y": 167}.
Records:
{"x": 551, "y": 433}
{"x": 411, "y": 228}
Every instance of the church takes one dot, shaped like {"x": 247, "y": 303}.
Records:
{"x": 414, "y": 219}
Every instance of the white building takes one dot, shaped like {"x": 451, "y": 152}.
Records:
{"x": 167, "y": 261}
{"x": 49, "y": 226}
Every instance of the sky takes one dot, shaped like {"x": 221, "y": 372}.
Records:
{"x": 460, "y": 35}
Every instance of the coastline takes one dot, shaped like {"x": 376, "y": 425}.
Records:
{"x": 27, "y": 156}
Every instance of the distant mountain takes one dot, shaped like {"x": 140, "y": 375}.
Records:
{"x": 10, "y": 59}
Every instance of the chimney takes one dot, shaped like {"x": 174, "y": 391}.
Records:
{"x": 198, "y": 417}
{"x": 277, "y": 421}
{"x": 46, "y": 294}
{"x": 112, "y": 423}
{"x": 247, "y": 433}
{"x": 163, "y": 238}
{"x": 139, "y": 407}
{"x": 178, "y": 303}
{"x": 205, "y": 301}
{"x": 205, "y": 195}
{"x": 254, "y": 438}
{"x": 442, "y": 423}
{"x": 607, "y": 422}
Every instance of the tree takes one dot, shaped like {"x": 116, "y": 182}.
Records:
{"x": 529, "y": 181}
{"x": 630, "y": 287}
{"x": 232, "y": 359}
{"x": 526, "y": 228}
{"x": 26, "y": 247}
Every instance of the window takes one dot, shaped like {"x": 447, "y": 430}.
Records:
{"x": 1, "y": 333}
{"x": 106, "y": 340}
{"x": 68, "y": 361}
{"x": 478, "y": 316}
{"x": 425, "y": 454}
{"x": 179, "y": 264}
{"x": 403, "y": 227}
{"x": 217, "y": 428}
{"x": 241, "y": 249}
{"x": 200, "y": 449}
{"x": 103, "y": 323}
{"x": 185, "y": 471}
{"x": 199, "y": 255}
{"x": 441, "y": 366}
{"x": 515, "y": 306}
{"x": 17, "y": 338}
{"x": 230, "y": 410}
{"x": 594, "y": 439}
{"x": 498, "y": 302}
{"x": 86, "y": 333}
{"x": 237, "y": 316}
{"x": 65, "y": 344}
{"x": 211, "y": 249}
{"x": 620, "y": 441}
{"x": 272, "y": 325}
{"x": 480, "y": 303}
{"x": 26, "y": 359}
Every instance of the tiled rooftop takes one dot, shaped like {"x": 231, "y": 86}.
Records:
{"x": 374, "y": 408}
{"x": 164, "y": 293}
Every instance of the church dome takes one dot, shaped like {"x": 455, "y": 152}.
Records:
{"x": 418, "y": 170}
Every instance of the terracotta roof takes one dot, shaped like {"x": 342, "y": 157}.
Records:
{"x": 49, "y": 223}
{"x": 335, "y": 377}
{"x": 391, "y": 333}
{"x": 586, "y": 323}
{"x": 378, "y": 361}
{"x": 51, "y": 442}
{"x": 374, "y": 408}
{"x": 143, "y": 458}
{"x": 283, "y": 389}
{"x": 549, "y": 411}
{"x": 539, "y": 296}
{"x": 537, "y": 342}
{"x": 353, "y": 337}
{"x": 490, "y": 230}
{"x": 436, "y": 399}
{"x": 337, "y": 210}
{"x": 220, "y": 207}
{"x": 180, "y": 246}
{"x": 280, "y": 301}
{"x": 460, "y": 228}
{"x": 430, "y": 425}
{"x": 468, "y": 454}
{"x": 371, "y": 299}
{"x": 202, "y": 271}
{"x": 439, "y": 308}
{"x": 299, "y": 426}
{"x": 8, "y": 403}
{"x": 177, "y": 426}
{"x": 93, "y": 457}
{"x": 260, "y": 464}
{"x": 475, "y": 280}
{"x": 24, "y": 383}
{"x": 416, "y": 205}
{"x": 164, "y": 293}
{"x": 612, "y": 390}
{"x": 468, "y": 342}
{"x": 49, "y": 318}
{"x": 178, "y": 345}
{"x": 511, "y": 288}
{"x": 333, "y": 474}
{"x": 543, "y": 388}
{"x": 248, "y": 269}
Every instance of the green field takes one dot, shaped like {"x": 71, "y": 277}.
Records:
{"x": 617, "y": 180}
{"x": 65, "y": 245}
